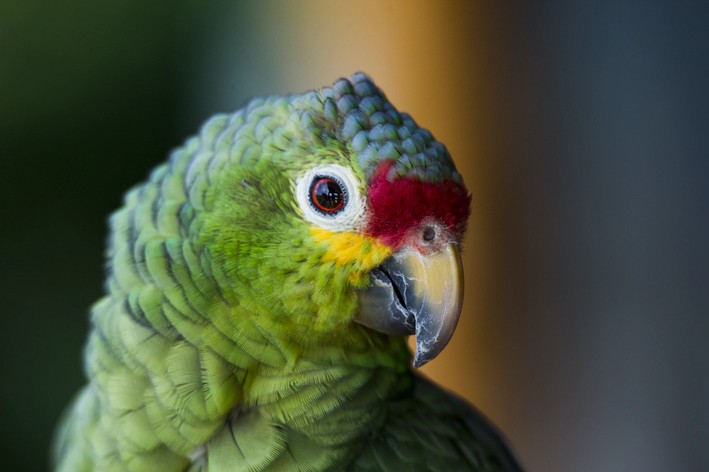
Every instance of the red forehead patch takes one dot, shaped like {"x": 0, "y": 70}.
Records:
{"x": 397, "y": 206}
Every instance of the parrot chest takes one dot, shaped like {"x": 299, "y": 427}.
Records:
{"x": 316, "y": 420}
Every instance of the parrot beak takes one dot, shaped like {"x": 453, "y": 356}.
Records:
{"x": 413, "y": 293}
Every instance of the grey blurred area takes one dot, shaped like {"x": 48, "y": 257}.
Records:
{"x": 601, "y": 141}
{"x": 597, "y": 172}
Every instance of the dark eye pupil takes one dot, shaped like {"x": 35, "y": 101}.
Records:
{"x": 327, "y": 195}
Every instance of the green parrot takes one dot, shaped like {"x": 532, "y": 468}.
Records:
{"x": 260, "y": 289}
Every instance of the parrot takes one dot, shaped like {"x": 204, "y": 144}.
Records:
{"x": 260, "y": 289}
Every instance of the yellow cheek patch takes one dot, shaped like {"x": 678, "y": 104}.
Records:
{"x": 359, "y": 251}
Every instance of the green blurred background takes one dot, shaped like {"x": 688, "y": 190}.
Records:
{"x": 580, "y": 127}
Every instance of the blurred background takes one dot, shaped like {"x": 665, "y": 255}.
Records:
{"x": 581, "y": 129}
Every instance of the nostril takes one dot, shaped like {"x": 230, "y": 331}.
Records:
{"x": 429, "y": 234}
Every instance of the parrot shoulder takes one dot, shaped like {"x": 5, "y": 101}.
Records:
{"x": 432, "y": 429}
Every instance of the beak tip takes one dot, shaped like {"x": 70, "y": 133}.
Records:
{"x": 419, "y": 362}
{"x": 427, "y": 352}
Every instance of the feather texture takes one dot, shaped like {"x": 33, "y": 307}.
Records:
{"x": 226, "y": 340}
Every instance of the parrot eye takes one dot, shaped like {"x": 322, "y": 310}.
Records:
{"x": 327, "y": 194}
{"x": 329, "y": 197}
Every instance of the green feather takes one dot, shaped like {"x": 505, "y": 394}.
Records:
{"x": 225, "y": 340}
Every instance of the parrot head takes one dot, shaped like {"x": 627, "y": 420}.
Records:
{"x": 331, "y": 213}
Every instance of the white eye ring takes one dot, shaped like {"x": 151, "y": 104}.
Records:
{"x": 348, "y": 215}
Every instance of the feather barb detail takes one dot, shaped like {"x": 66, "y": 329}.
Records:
{"x": 361, "y": 252}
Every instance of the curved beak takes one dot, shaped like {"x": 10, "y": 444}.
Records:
{"x": 412, "y": 293}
